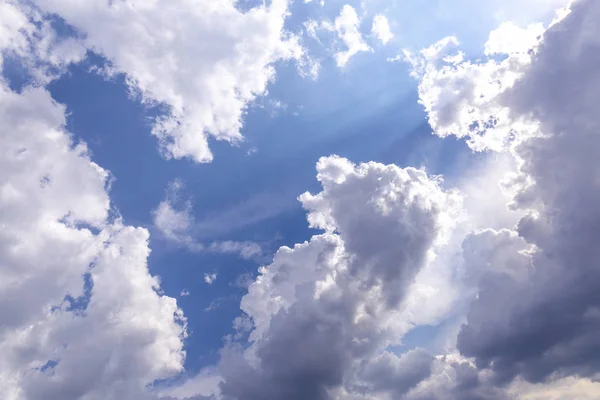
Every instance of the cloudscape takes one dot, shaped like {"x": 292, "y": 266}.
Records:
{"x": 299, "y": 200}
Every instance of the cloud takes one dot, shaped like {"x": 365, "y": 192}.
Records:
{"x": 324, "y": 312}
{"x": 256, "y": 208}
{"x": 27, "y": 36}
{"x": 175, "y": 221}
{"x": 205, "y": 63}
{"x": 346, "y": 26}
{"x": 460, "y": 97}
{"x": 324, "y": 318}
{"x": 171, "y": 222}
{"x": 551, "y": 332}
{"x": 80, "y": 314}
{"x": 210, "y": 278}
{"x": 536, "y": 313}
{"x": 565, "y": 388}
{"x": 381, "y": 29}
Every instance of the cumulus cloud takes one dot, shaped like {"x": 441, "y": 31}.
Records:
{"x": 206, "y": 63}
{"x": 80, "y": 315}
{"x": 554, "y": 312}
{"x": 460, "y": 96}
{"x": 536, "y": 310}
{"x": 381, "y": 29}
{"x": 27, "y": 36}
{"x": 324, "y": 312}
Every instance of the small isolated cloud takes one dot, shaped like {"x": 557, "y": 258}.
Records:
{"x": 210, "y": 278}
{"x": 27, "y": 36}
{"x": 174, "y": 219}
{"x": 381, "y": 29}
{"x": 346, "y": 26}
{"x": 171, "y": 222}
{"x": 184, "y": 293}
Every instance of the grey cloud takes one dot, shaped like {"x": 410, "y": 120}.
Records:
{"x": 548, "y": 324}
{"x": 325, "y": 310}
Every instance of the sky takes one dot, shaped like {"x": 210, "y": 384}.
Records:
{"x": 307, "y": 199}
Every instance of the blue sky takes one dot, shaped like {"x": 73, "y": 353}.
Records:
{"x": 404, "y": 249}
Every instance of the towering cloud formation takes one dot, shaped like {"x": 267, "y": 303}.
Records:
{"x": 538, "y": 312}
{"x": 324, "y": 312}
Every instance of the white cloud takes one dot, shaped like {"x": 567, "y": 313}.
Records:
{"x": 80, "y": 315}
{"x": 324, "y": 312}
{"x": 206, "y": 62}
{"x": 175, "y": 221}
{"x": 346, "y": 26}
{"x": 460, "y": 97}
{"x": 210, "y": 278}
{"x": 26, "y": 35}
{"x": 336, "y": 302}
{"x": 381, "y": 29}
{"x": 171, "y": 222}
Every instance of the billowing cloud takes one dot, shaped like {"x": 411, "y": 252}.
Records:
{"x": 28, "y": 37}
{"x": 80, "y": 315}
{"x": 205, "y": 62}
{"x": 324, "y": 312}
{"x": 537, "y": 309}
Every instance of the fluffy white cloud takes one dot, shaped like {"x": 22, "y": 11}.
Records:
{"x": 322, "y": 315}
{"x": 460, "y": 97}
{"x": 80, "y": 315}
{"x": 27, "y": 36}
{"x": 206, "y": 62}
{"x": 381, "y": 29}
{"x": 62, "y": 336}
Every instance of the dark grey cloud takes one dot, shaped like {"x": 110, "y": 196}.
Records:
{"x": 547, "y": 324}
